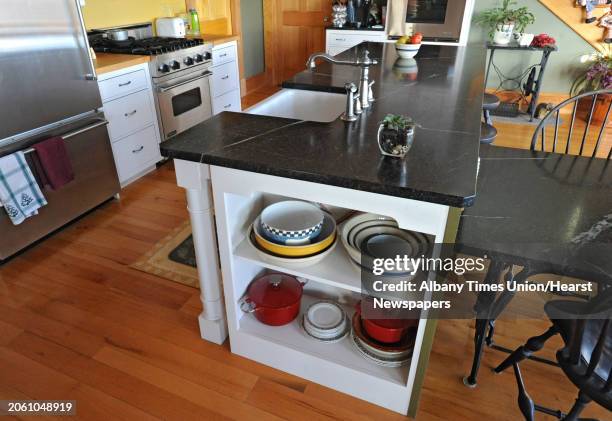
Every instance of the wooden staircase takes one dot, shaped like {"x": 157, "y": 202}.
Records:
{"x": 574, "y": 17}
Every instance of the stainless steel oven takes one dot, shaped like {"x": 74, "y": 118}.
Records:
{"x": 184, "y": 102}
{"x": 438, "y": 20}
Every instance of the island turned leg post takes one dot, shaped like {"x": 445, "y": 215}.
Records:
{"x": 195, "y": 179}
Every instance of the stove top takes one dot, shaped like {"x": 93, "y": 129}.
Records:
{"x": 145, "y": 47}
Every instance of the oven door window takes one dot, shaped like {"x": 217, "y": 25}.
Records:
{"x": 186, "y": 101}
{"x": 427, "y": 11}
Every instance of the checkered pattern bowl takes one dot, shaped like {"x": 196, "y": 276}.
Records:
{"x": 291, "y": 222}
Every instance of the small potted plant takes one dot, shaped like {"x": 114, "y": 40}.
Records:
{"x": 597, "y": 75}
{"x": 395, "y": 135}
{"x": 504, "y": 21}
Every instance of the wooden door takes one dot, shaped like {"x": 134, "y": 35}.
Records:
{"x": 294, "y": 29}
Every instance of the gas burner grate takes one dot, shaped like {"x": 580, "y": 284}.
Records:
{"x": 145, "y": 47}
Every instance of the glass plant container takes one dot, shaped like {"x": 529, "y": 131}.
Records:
{"x": 395, "y": 136}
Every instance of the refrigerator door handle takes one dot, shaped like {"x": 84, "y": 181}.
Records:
{"x": 92, "y": 75}
{"x": 82, "y": 130}
{"x": 98, "y": 123}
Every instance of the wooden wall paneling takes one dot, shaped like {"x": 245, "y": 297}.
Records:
{"x": 294, "y": 29}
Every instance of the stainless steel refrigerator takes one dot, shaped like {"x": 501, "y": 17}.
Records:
{"x": 48, "y": 87}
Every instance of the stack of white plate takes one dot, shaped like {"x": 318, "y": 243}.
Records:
{"x": 369, "y": 236}
{"x": 326, "y": 322}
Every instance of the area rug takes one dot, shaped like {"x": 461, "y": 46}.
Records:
{"x": 172, "y": 258}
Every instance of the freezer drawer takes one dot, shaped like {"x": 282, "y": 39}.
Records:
{"x": 95, "y": 181}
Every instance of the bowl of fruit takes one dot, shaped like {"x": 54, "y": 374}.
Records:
{"x": 408, "y": 46}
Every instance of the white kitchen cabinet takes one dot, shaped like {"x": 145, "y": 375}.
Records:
{"x": 338, "y": 41}
{"x": 225, "y": 81}
{"x": 227, "y": 102}
{"x": 129, "y": 114}
{"x": 129, "y": 106}
{"x": 123, "y": 84}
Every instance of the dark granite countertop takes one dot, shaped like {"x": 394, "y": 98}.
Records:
{"x": 542, "y": 208}
{"x": 441, "y": 90}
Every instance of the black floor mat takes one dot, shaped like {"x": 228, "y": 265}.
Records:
{"x": 184, "y": 253}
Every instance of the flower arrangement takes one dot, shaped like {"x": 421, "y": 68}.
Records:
{"x": 597, "y": 75}
{"x": 543, "y": 40}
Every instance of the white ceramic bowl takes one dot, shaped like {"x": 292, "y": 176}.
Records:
{"x": 407, "y": 50}
{"x": 292, "y": 220}
{"x": 358, "y": 221}
{"x": 358, "y": 229}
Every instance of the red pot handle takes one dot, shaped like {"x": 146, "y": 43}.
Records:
{"x": 248, "y": 306}
{"x": 302, "y": 281}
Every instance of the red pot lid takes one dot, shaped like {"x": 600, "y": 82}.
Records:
{"x": 275, "y": 290}
{"x": 388, "y": 318}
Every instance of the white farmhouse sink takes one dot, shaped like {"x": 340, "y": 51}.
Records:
{"x": 301, "y": 105}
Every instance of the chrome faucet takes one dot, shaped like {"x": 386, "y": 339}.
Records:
{"x": 366, "y": 96}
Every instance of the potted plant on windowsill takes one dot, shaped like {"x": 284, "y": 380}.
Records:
{"x": 504, "y": 21}
{"x": 596, "y": 76}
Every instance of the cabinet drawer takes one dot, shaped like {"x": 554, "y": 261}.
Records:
{"x": 350, "y": 40}
{"x": 224, "y": 79}
{"x": 128, "y": 114}
{"x": 223, "y": 55}
{"x": 227, "y": 102}
{"x": 122, "y": 85}
{"x": 136, "y": 152}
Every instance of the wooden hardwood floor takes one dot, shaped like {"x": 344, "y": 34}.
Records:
{"x": 76, "y": 322}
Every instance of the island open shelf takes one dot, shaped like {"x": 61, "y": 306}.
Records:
{"x": 342, "y": 355}
{"x": 335, "y": 270}
{"x": 338, "y": 366}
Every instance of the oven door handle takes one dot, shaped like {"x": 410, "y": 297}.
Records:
{"x": 167, "y": 88}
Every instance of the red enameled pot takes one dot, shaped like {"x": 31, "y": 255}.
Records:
{"x": 383, "y": 325}
{"x": 274, "y": 299}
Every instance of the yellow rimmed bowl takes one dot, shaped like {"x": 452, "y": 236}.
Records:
{"x": 326, "y": 238}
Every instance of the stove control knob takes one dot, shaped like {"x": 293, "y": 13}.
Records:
{"x": 175, "y": 65}
{"x": 188, "y": 61}
{"x": 164, "y": 68}
{"x": 198, "y": 58}
{"x": 208, "y": 56}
